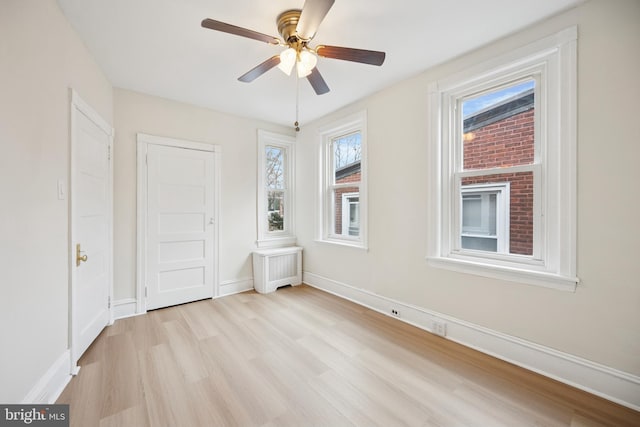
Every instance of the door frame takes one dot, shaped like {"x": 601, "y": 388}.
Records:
{"x": 79, "y": 106}
{"x": 143, "y": 142}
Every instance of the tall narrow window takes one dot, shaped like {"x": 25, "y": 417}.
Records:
{"x": 275, "y": 190}
{"x": 343, "y": 214}
{"x": 503, "y": 168}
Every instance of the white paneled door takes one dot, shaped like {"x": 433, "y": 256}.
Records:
{"x": 180, "y": 225}
{"x": 91, "y": 202}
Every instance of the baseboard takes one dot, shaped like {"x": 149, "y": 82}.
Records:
{"x": 230, "y": 287}
{"x": 125, "y": 307}
{"x": 52, "y": 383}
{"x": 609, "y": 383}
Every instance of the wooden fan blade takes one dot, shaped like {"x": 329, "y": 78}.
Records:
{"x": 317, "y": 82}
{"x": 371, "y": 57}
{"x": 238, "y": 31}
{"x": 313, "y": 12}
{"x": 259, "y": 70}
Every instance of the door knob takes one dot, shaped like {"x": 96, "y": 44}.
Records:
{"x": 79, "y": 257}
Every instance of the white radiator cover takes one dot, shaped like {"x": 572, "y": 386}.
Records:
{"x": 273, "y": 268}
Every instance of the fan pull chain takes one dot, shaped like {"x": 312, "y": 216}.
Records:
{"x": 296, "y": 124}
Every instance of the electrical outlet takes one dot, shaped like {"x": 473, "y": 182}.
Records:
{"x": 395, "y": 312}
{"x": 439, "y": 327}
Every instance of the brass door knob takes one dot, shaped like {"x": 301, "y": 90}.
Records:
{"x": 79, "y": 257}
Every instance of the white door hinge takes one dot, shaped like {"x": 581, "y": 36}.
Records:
{"x": 109, "y": 302}
{"x": 145, "y": 291}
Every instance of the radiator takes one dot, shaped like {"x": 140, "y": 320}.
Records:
{"x": 273, "y": 268}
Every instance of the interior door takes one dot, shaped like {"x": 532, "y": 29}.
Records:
{"x": 180, "y": 225}
{"x": 91, "y": 227}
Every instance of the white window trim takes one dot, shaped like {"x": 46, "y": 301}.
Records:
{"x": 354, "y": 123}
{"x": 286, "y": 237}
{"x": 553, "y": 61}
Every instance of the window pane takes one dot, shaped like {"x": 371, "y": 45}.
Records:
{"x": 480, "y": 243}
{"x": 354, "y": 216}
{"x": 347, "y": 153}
{"x": 520, "y": 206}
{"x": 346, "y": 210}
{"x": 274, "y": 167}
{"x": 479, "y": 214}
{"x": 471, "y": 209}
{"x": 498, "y": 127}
{"x": 275, "y": 210}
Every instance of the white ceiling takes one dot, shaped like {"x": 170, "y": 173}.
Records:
{"x": 158, "y": 47}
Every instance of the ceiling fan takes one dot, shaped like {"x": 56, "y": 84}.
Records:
{"x": 297, "y": 28}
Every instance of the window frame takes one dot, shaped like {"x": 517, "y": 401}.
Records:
{"x": 325, "y": 222}
{"x": 287, "y": 236}
{"x": 552, "y": 63}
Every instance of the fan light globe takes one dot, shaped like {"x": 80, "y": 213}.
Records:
{"x": 287, "y": 60}
{"x": 302, "y": 70}
{"x": 306, "y": 62}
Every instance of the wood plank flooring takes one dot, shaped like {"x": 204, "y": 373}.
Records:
{"x": 302, "y": 357}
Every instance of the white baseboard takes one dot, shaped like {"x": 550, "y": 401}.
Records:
{"x": 609, "y": 383}
{"x": 230, "y": 287}
{"x": 125, "y": 307}
{"x": 52, "y": 383}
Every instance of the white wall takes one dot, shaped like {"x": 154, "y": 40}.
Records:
{"x": 41, "y": 57}
{"x": 601, "y": 320}
{"x": 136, "y": 113}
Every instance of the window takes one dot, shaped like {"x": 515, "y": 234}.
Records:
{"x": 502, "y": 152}
{"x": 342, "y": 218}
{"x": 275, "y": 190}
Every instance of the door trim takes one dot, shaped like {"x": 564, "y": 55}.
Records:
{"x": 143, "y": 141}
{"x": 79, "y": 106}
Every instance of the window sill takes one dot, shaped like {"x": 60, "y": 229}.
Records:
{"x": 276, "y": 242}
{"x": 347, "y": 243}
{"x": 513, "y": 274}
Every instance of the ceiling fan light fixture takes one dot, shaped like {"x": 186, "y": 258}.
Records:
{"x": 297, "y": 28}
{"x": 307, "y": 61}
{"x": 287, "y": 60}
{"x": 302, "y": 70}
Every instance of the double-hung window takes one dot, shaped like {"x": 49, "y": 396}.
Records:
{"x": 275, "y": 189}
{"x": 502, "y": 157}
{"x": 343, "y": 213}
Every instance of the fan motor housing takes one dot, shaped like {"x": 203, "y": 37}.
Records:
{"x": 287, "y": 23}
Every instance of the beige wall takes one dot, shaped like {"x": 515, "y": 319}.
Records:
{"x": 41, "y": 57}
{"x": 601, "y": 320}
{"x": 136, "y": 113}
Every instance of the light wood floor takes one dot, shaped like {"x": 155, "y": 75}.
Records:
{"x": 301, "y": 357}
